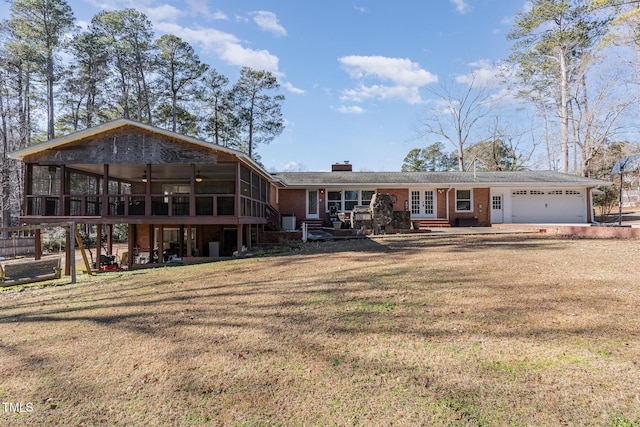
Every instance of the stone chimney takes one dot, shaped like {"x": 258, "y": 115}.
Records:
{"x": 342, "y": 167}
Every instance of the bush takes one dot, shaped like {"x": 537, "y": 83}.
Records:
{"x": 604, "y": 202}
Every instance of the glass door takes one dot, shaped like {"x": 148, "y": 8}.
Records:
{"x": 423, "y": 204}
{"x": 313, "y": 211}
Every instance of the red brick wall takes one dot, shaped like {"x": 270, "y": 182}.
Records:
{"x": 441, "y": 202}
{"x": 401, "y": 194}
{"x": 578, "y": 230}
{"x": 295, "y": 202}
{"x": 480, "y": 198}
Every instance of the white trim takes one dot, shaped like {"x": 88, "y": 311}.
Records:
{"x": 470, "y": 190}
{"x": 307, "y": 213}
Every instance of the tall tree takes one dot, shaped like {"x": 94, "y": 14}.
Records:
{"x": 217, "y": 100}
{"x": 596, "y": 107}
{"x": 457, "y": 114}
{"x": 432, "y": 158}
{"x": 84, "y": 84}
{"x": 43, "y": 24}
{"x": 549, "y": 40}
{"x": 624, "y": 27}
{"x": 259, "y": 111}
{"x": 501, "y": 151}
{"x": 179, "y": 67}
{"x": 126, "y": 36}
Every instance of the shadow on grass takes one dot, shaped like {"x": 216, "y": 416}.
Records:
{"x": 346, "y": 321}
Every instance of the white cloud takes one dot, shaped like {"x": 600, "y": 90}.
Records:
{"x": 406, "y": 78}
{"x": 399, "y": 70}
{"x": 226, "y": 46}
{"x": 219, "y": 15}
{"x": 363, "y": 93}
{"x": 164, "y": 12}
{"x": 351, "y": 109}
{"x": 484, "y": 73}
{"x": 291, "y": 88}
{"x": 268, "y": 21}
{"x": 461, "y": 6}
{"x": 294, "y": 167}
{"x": 201, "y": 8}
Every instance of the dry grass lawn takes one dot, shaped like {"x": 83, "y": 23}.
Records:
{"x": 483, "y": 330}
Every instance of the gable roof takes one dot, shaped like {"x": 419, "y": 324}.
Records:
{"x": 387, "y": 179}
{"x": 98, "y": 130}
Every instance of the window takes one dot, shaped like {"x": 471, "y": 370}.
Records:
{"x": 496, "y": 202}
{"x": 428, "y": 202}
{"x": 334, "y": 199}
{"x": 572, "y": 193}
{"x": 556, "y": 192}
{"x": 346, "y": 200}
{"x": 350, "y": 199}
{"x": 367, "y": 195}
{"x": 463, "y": 200}
{"x": 312, "y": 203}
{"x": 520, "y": 193}
{"x": 415, "y": 202}
{"x": 175, "y": 189}
{"x": 45, "y": 180}
{"x": 536, "y": 192}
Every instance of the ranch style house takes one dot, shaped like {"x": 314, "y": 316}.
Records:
{"x": 190, "y": 198}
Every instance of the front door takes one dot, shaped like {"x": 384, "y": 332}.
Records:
{"x": 423, "y": 204}
{"x": 313, "y": 208}
{"x": 497, "y": 209}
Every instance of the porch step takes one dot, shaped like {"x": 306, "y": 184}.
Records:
{"x": 434, "y": 223}
{"x": 313, "y": 224}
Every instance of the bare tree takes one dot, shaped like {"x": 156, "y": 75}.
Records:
{"x": 596, "y": 110}
{"x": 549, "y": 39}
{"x": 456, "y": 115}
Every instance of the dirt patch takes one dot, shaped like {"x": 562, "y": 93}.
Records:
{"x": 467, "y": 330}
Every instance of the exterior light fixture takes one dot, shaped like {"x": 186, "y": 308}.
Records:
{"x": 198, "y": 177}
{"x": 144, "y": 177}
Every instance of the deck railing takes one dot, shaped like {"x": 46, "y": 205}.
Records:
{"x": 123, "y": 205}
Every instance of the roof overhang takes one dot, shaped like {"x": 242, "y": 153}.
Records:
{"x": 124, "y": 123}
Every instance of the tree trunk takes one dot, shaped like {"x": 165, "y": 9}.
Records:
{"x": 564, "y": 114}
{"x": 50, "y": 114}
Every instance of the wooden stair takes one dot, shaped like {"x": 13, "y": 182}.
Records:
{"x": 433, "y": 223}
{"x": 314, "y": 224}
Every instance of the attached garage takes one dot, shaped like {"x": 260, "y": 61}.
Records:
{"x": 545, "y": 206}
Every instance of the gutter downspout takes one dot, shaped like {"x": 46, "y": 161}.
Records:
{"x": 447, "y": 202}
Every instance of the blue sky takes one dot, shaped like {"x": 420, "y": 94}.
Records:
{"x": 356, "y": 74}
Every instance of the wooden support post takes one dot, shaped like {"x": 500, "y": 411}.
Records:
{"x": 192, "y": 192}
{"x": 98, "y": 245}
{"x": 105, "y": 190}
{"x": 71, "y": 251}
{"x": 38, "y": 244}
{"x": 181, "y": 251}
{"x": 68, "y": 249}
{"x": 189, "y": 242}
{"x": 147, "y": 197}
{"x": 160, "y": 243}
{"x": 27, "y": 190}
{"x": 239, "y": 238}
{"x": 110, "y": 238}
{"x": 87, "y": 266}
{"x": 62, "y": 199}
{"x": 152, "y": 241}
{"x": 131, "y": 243}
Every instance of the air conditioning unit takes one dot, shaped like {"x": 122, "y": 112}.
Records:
{"x": 289, "y": 222}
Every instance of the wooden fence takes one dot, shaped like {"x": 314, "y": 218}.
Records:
{"x": 17, "y": 245}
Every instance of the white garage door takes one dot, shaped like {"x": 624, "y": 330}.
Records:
{"x": 548, "y": 206}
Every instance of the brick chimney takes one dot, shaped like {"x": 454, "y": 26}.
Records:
{"x": 342, "y": 167}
